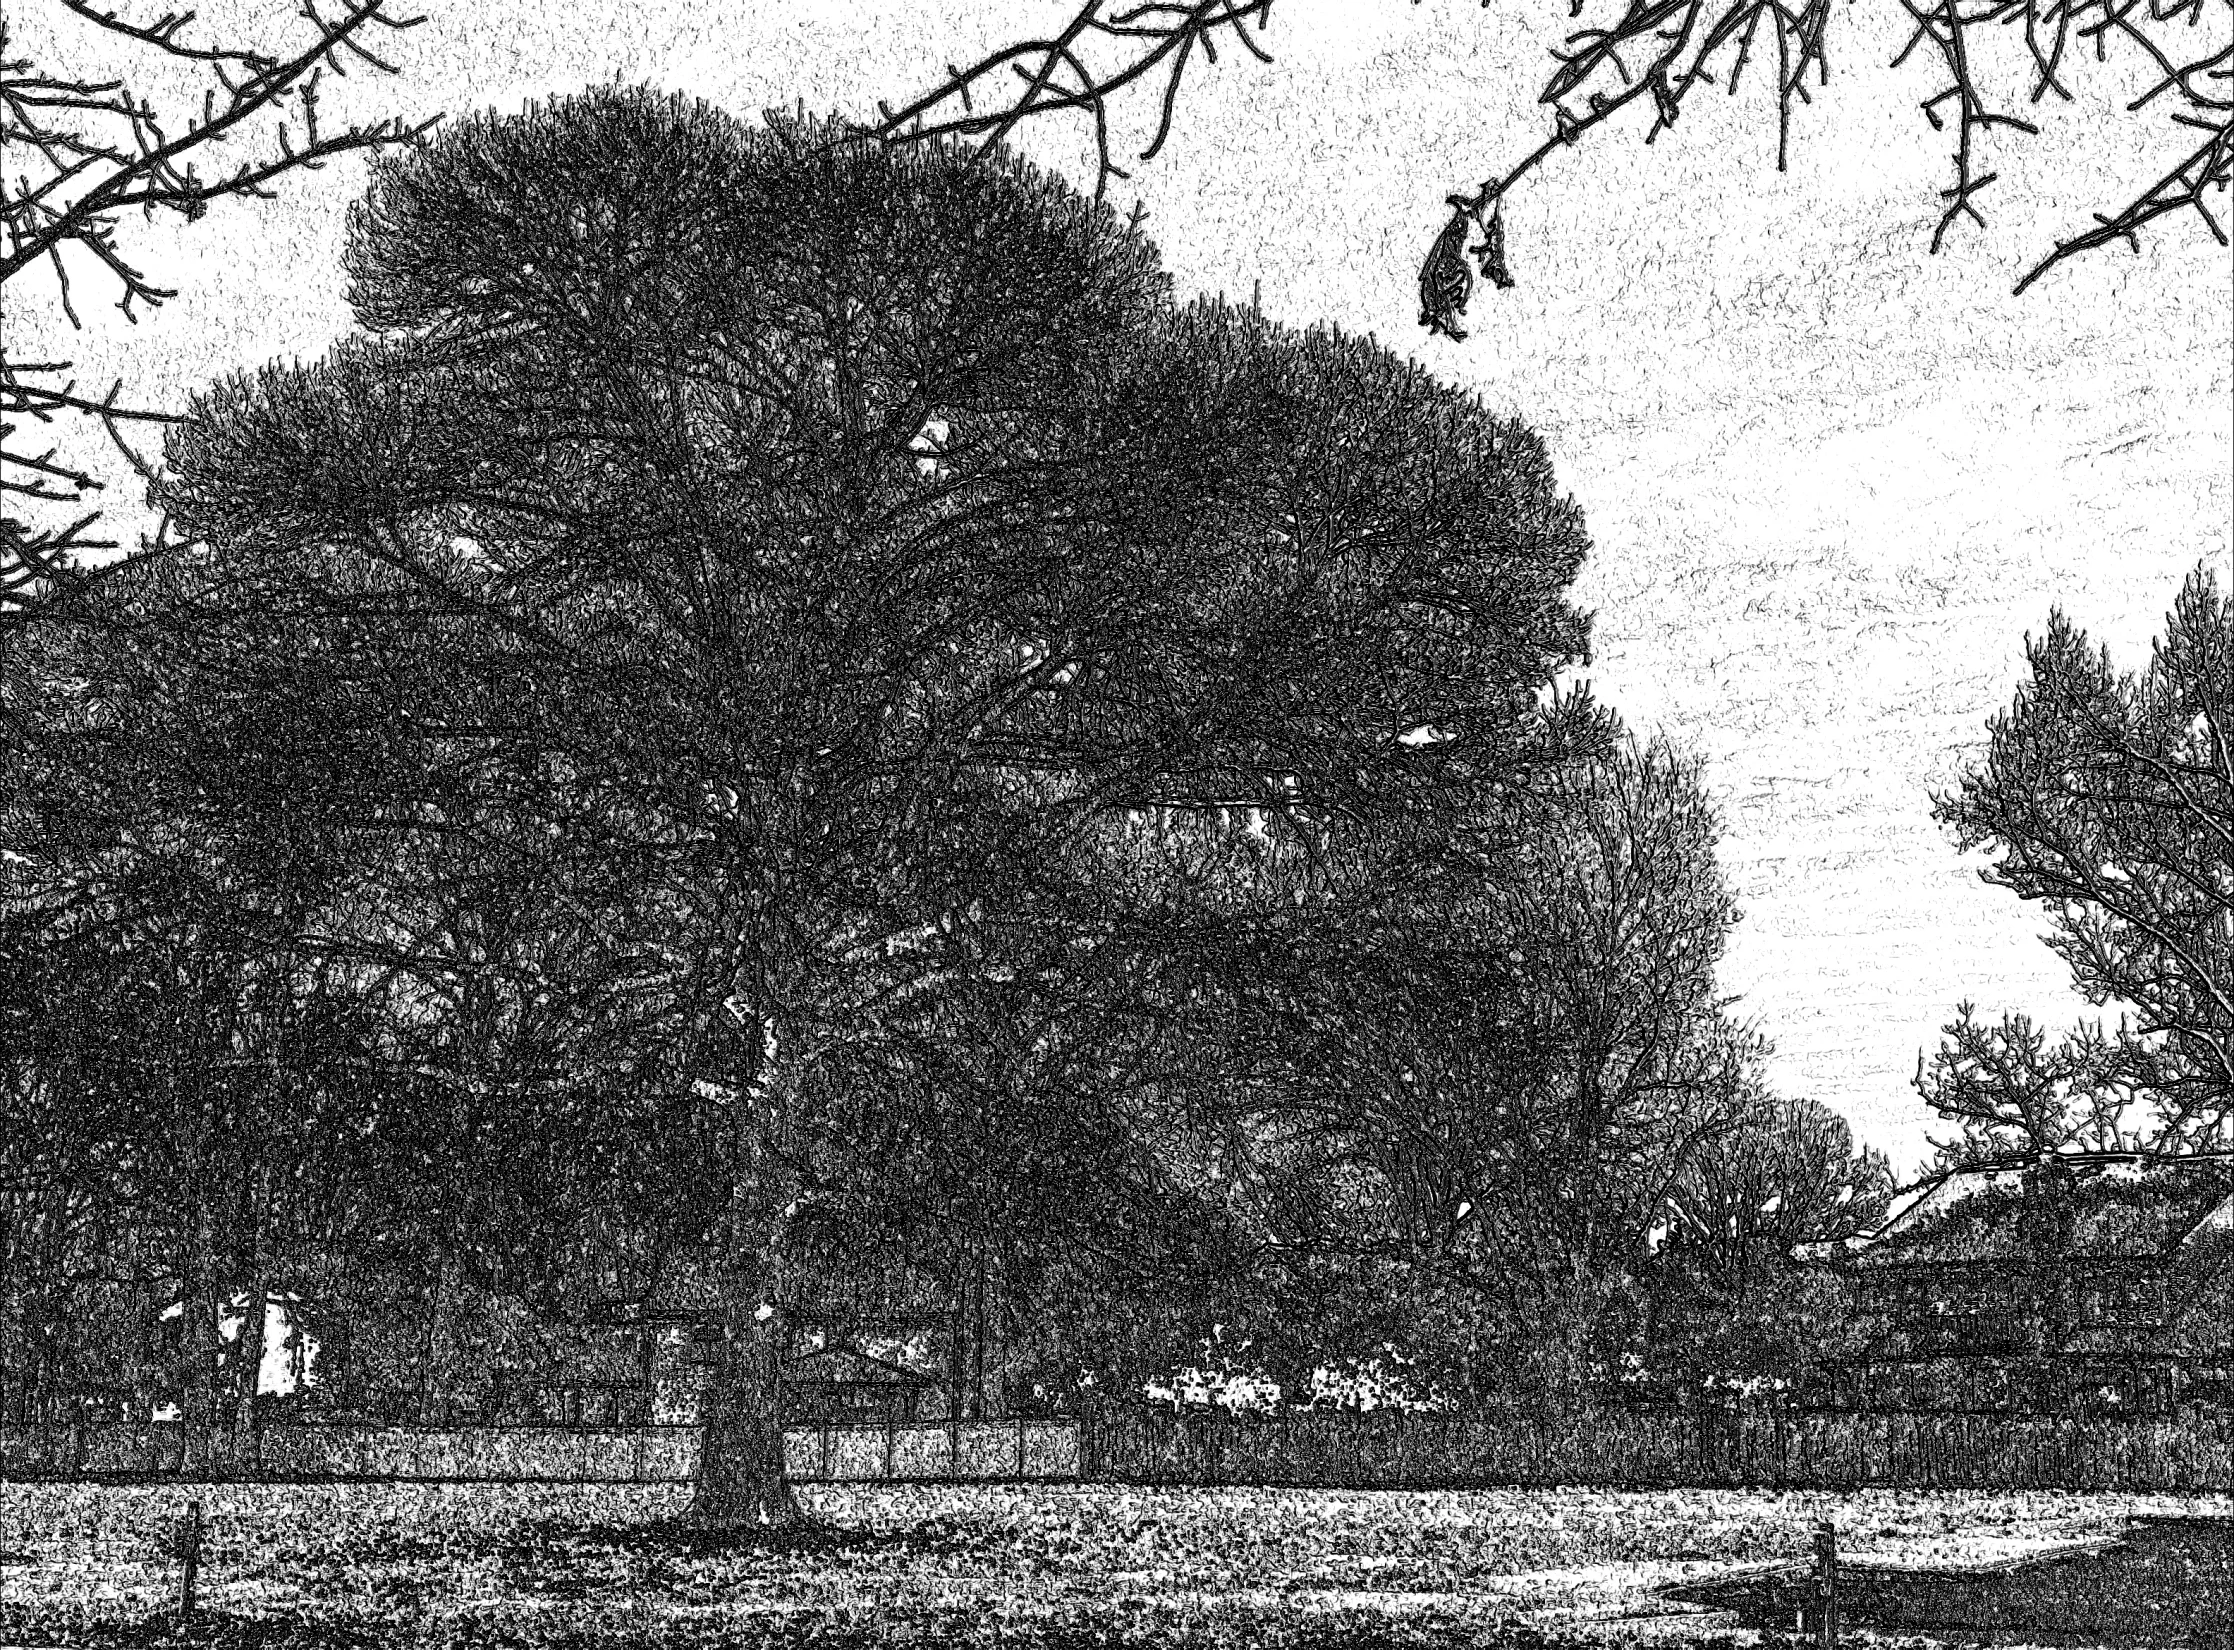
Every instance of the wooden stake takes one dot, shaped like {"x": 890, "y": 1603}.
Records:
{"x": 190, "y": 1558}
{"x": 1826, "y": 1583}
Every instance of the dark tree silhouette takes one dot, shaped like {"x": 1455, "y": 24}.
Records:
{"x": 2108, "y": 798}
{"x": 1724, "y": 1298}
{"x": 1650, "y": 56}
{"x": 181, "y": 1055}
{"x": 272, "y": 1027}
{"x": 850, "y": 548}
{"x": 86, "y": 147}
{"x": 1492, "y": 1089}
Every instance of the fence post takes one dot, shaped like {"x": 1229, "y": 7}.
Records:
{"x": 187, "y": 1545}
{"x": 1826, "y": 1583}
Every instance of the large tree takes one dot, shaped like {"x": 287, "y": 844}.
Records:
{"x": 2107, "y": 799}
{"x": 851, "y": 551}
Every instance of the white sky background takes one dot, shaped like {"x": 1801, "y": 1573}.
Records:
{"x": 1831, "y": 481}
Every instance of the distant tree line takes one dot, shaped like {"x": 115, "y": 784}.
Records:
{"x": 780, "y": 707}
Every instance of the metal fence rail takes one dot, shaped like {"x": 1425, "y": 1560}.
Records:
{"x": 977, "y": 1451}
{"x": 1381, "y": 1450}
{"x": 1706, "y": 1449}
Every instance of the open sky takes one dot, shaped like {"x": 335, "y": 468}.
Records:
{"x": 1831, "y": 480}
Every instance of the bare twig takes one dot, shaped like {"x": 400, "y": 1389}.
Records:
{"x": 1653, "y": 53}
{"x": 100, "y": 150}
{"x": 1059, "y": 75}
{"x": 2211, "y": 166}
{"x": 1944, "y": 28}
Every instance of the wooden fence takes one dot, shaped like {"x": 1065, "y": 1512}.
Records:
{"x": 1380, "y": 1450}
{"x": 1389, "y": 1449}
{"x": 977, "y": 1451}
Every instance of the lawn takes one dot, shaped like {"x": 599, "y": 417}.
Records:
{"x": 982, "y": 1565}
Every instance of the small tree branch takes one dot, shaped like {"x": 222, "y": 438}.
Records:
{"x": 2210, "y": 166}
{"x": 1654, "y": 49}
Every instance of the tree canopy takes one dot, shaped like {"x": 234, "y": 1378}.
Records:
{"x": 1489, "y": 1093}
{"x": 2107, "y": 798}
{"x": 755, "y": 620}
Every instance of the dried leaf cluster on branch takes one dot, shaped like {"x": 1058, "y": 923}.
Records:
{"x": 84, "y": 150}
{"x": 1654, "y": 55}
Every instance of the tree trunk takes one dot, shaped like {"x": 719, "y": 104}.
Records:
{"x": 15, "y": 1318}
{"x": 248, "y": 1355}
{"x": 741, "y": 1482}
{"x": 958, "y": 1345}
{"x": 977, "y": 1346}
{"x": 434, "y": 1341}
{"x": 48, "y": 1313}
{"x": 198, "y": 1345}
{"x": 1561, "y": 1351}
{"x": 140, "y": 1376}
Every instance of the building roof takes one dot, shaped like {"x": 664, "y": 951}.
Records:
{"x": 842, "y": 1365}
{"x": 2118, "y": 1205}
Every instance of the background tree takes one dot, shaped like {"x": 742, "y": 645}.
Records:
{"x": 88, "y": 144}
{"x": 1615, "y": 1059}
{"x": 1494, "y": 1088}
{"x": 309, "y": 1047}
{"x": 183, "y": 1044}
{"x": 2016, "y": 1095}
{"x": 1120, "y": 65}
{"x": 850, "y": 547}
{"x": 2109, "y": 799}
{"x": 1723, "y": 1300}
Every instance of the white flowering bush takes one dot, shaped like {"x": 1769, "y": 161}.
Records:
{"x": 1237, "y": 1391}
{"x": 1226, "y": 1378}
{"x": 1746, "y": 1386}
{"x": 1388, "y": 1380}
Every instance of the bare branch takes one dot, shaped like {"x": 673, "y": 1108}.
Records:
{"x": 1058, "y": 76}
{"x": 1654, "y": 51}
{"x": 2210, "y": 166}
{"x": 106, "y": 150}
{"x": 163, "y": 35}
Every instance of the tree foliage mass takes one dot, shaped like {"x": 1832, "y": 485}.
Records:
{"x": 2107, "y": 799}
{"x": 780, "y": 705}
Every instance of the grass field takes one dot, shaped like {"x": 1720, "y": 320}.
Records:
{"x": 563, "y": 1565}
